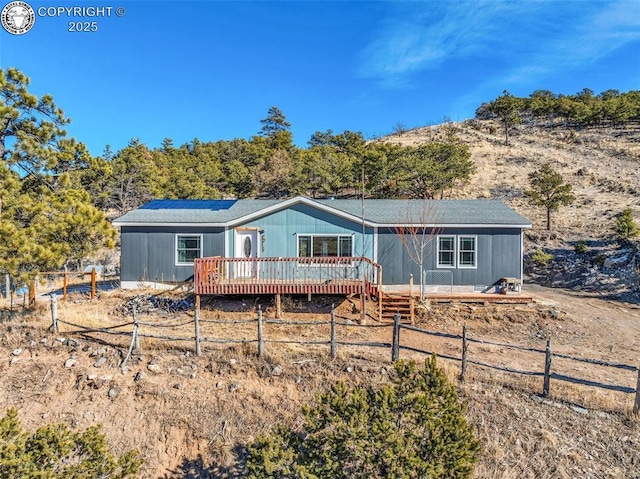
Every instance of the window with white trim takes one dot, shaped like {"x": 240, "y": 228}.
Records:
{"x": 457, "y": 251}
{"x": 188, "y": 248}
{"x": 319, "y": 245}
{"x": 466, "y": 251}
{"x": 446, "y": 251}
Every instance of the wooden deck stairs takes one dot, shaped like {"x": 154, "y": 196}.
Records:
{"x": 396, "y": 303}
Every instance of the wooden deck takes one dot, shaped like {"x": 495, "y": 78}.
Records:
{"x": 478, "y": 297}
{"x": 320, "y": 275}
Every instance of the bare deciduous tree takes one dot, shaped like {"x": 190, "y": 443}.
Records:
{"x": 418, "y": 232}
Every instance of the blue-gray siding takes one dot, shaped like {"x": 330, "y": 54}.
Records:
{"x": 280, "y": 230}
{"x": 498, "y": 255}
{"x": 149, "y": 253}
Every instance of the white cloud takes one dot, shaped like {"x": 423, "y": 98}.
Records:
{"x": 602, "y": 32}
{"x": 419, "y": 36}
{"x": 580, "y": 44}
{"x": 530, "y": 40}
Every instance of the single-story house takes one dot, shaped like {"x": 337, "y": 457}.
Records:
{"x": 471, "y": 243}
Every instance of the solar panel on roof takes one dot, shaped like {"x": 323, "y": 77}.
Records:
{"x": 213, "y": 205}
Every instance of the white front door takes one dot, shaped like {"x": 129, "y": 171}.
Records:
{"x": 246, "y": 247}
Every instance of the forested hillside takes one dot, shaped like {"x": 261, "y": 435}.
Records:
{"x": 601, "y": 163}
{"x": 609, "y": 108}
{"x": 56, "y": 198}
{"x": 269, "y": 165}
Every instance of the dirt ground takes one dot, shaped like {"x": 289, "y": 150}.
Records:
{"x": 617, "y": 325}
{"x": 190, "y": 416}
{"x": 578, "y": 325}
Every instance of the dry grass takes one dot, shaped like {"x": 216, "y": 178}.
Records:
{"x": 601, "y": 164}
{"x": 485, "y": 322}
{"x": 209, "y": 407}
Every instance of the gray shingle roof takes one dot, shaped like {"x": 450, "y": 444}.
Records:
{"x": 377, "y": 212}
{"x": 440, "y": 212}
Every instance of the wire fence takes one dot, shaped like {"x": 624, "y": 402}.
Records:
{"x": 86, "y": 282}
{"x": 332, "y": 340}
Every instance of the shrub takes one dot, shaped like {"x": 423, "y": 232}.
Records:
{"x": 56, "y": 451}
{"x": 413, "y": 427}
{"x": 581, "y": 247}
{"x": 541, "y": 258}
{"x": 625, "y": 225}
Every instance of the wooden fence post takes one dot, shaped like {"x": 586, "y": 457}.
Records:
{"x": 65, "y": 283}
{"x": 547, "y": 369}
{"x": 636, "y": 403}
{"x": 333, "y": 334}
{"x": 196, "y": 323}
{"x": 380, "y": 294}
{"x": 465, "y": 347}
{"x": 260, "y": 335}
{"x": 278, "y": 306}
{"x": 135, "y": 341}
{"x": 395, "y": 347}
{"x": 411, "y": 301}
{"x": 7, "y": 286}
{"x": 32, "y": 293}
{"x": 93, "y": 282}
{"x": 54, "y": 314}
{"x": 136, "y": 338}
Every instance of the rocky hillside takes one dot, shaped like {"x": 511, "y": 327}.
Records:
{"x": 603, "y": 165}
{"x": 191, "y": 416}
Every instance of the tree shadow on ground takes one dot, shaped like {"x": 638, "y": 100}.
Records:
{"x": 196, "y": 468}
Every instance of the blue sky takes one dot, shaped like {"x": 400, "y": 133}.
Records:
{"x": 211, "y": 70}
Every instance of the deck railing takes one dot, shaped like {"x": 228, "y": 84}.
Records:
{"x": 317, "y": 275}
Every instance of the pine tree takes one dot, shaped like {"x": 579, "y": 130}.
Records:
{"x": 31, "y": 127}
{"x": 47, "y": 218}
{"x": 548, "y": 189}
{"x": 508, "y": 109}
{"x": 276, "y": 129}
{"x": 55, "y": 450}
{"x": 414, "y": 427}
{"x": 274, "y": 123}
{"x": 625, "y": 225}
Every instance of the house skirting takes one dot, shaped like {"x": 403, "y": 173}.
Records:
{"x": 146, "y": 285}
